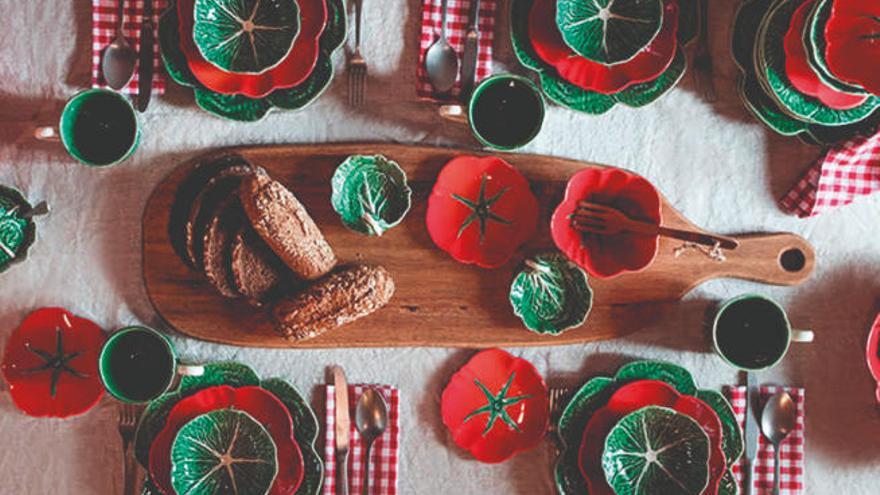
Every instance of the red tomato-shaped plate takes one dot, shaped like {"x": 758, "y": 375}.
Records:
{"x": 630, "y": 398}
{"x": 853, "y": 50}
{"x": 288, "y": 73}
{"x": 799, "y": 72}
{"x": 607, "y": 79}
{"x": 260, "y": 404}
{"x": 495, "y": 406}
{"x": 481, "y": 210}
{"x": 606, "y": 256}
{"x": 51, "y": 364}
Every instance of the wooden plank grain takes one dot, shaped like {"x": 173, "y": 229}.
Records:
{"x": 438, "y": 302}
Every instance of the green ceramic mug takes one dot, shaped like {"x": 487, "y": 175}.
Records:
{"x": 97, "y": 127}
{"x": 505, "y": 112}
{"x": 752, "y": 332}
{"x": 138, "y": 364}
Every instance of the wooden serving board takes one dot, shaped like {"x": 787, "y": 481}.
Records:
{"x": 438, "y": 302}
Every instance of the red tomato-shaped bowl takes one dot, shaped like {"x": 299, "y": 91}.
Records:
{"x": 495, "y": 406}
{"x": 872, "y": 354}
{"x": 481, "y": 210}
{"x": 606, "y": 256}
{"x": 51, "y": 364}
{"x": 853, "y": 50}
{"x": 799, "y": 72}
{"x": 260, "y": 404}
{"x": 292, "y": 70}
{"x": 631, "y": 398}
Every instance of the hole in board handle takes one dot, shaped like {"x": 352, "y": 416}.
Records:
{"x": 792, "y": 260}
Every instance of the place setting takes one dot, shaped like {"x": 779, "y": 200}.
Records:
{"x": 264, "y": 262}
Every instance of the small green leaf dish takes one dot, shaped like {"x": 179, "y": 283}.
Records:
{"x": 236, "y": 375}
{"x": 594, "y": 394}
{"x": 223, "y": 451}
{"x": 656, "y": 450}
{"x": 17, "y": 234}
{"x": 551, "y": 294}
{"x": 770, "y": 59}
{"x": 570, "y": 96}
{"x": 370, "y": 194}
{"x": 608, "y": 31}
{"x": 243, "y": 108}
{"x": 245, "y": 36}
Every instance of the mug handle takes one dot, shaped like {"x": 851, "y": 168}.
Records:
{"x": 190, "y": 370}
{"x": 455, "y": 113}
{"x": 47, "y": 133}
{"x": 802, "y": 335}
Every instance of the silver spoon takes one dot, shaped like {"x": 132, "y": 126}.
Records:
{"x": 777, "y": 421}
{"x": 441, "y": 61}
{"x": 119, "y": 58}
{"x": 371, "y": 419}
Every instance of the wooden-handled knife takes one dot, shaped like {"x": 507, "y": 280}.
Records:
{"x": 145, "y": 58}
{"x": 343, "y": 428}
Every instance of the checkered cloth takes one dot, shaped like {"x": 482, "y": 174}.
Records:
{"x": 844, "y": 173}
{"x": 383, "y": 470}
{"x": 792, "y": 454}
{"x": 104, "y": 21}
{"x": 456, "y": 27}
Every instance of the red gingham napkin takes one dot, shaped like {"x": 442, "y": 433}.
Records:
{"x": 456, "y": 27}
{"x": 383, "y": 470}
{"x": 845, "y": 172}
{"x": 104, "y": 21}
{"x": 792, "y": 454}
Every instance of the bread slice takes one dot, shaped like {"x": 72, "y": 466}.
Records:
{"x": 283, "y": 222}
{"x": 257, "y": 272}
{"x": 215, "y": 191}
{"x": 350, "y": 293}
{"x": 226, "y": 220}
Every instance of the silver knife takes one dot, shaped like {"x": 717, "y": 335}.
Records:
{"x": 343, "y": 429}
{"x": 469, "y": 56}
{"x": 751, "y": 431}
{"x": 145, "y": 58}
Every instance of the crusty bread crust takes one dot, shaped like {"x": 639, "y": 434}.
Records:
{"x": 283, "y": 222}
{"x": 256, "y": 271}
{"x": 344, "y": 296}
{"x": 217, "y": 241}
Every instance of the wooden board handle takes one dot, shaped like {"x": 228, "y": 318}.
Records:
{"x": 777, "y": 259}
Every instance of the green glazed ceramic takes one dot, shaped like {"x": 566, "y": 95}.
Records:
{"x": 770, "y": 56}
{"x": 500, "y": 79}
{"x": 814, "y": 43}
{"x": 223, "y": 451}
{"x": 596, "y": 392}
{"x": 370, "y": 194}
{"x": 656, "y": 450}
{"x": 236, "y": 375}
{"x": 570, "y": 96}
{"x": 245, "y": 36}
{"x": 608, "y": 31}
{"x": 760, "y": 104}
{"x": 551, "y": 294}
{"x": 17, "y": 234}
{"x": 242, "y": 108}
{"x": 165, "y": 372}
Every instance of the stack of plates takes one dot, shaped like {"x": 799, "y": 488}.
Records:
{"x": 228, "y": 431}
{"x": 244, "y": 57}
{"x": 809, "y": 66}
{"x": 591, "y": 55}
{"x": 649, "y": 429}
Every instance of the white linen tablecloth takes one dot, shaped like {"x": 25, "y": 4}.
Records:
{"x": 713, "y": 161}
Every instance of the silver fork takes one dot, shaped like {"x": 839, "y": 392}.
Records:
{"x": 703, "y": 80}
{"x": 558, "y": 399}
{"x": 357, "y": 66}
{"x": 128, "y": 418}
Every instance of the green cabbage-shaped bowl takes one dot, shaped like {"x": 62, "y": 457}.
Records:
{"x": 245, "y": 36}
{"x": 17, "y": 233}
{"x": 370, "y": 194}
{"x": 551, "y": 294}
{"x": 608, "y": 31}
{"x": 223, "y": 451}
